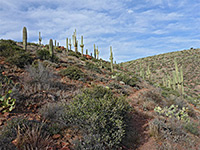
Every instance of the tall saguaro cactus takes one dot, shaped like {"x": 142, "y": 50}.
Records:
{"x": 67, "y": 50}
{"x": 94, "y": 51}
{"x": 70, "y": 44}
{"x": 55, "y": 43}
{"x": 75, "y": 42}
{"x": 82, "y": 45}
{"x": 51, "y": 48}
{"x": 40, "y": 38}
{"x": 178, "y": 77}
{"x": 97, "y": 53}
{"x": 86, "y": 51}
{"x": 111, "y": 59}
{"x": 24, "y": 38}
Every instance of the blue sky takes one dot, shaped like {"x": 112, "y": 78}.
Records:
{"x": 134, "y": 28}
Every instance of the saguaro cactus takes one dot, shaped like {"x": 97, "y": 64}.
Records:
{"x": 51, "y": 48}
{"x": 40, "y": 38}
{"x": 24, "y": 38}
{"x": 82, "y": 45}
{"x": 67, "y": 50}
{"x": 148, "y": 73}
{"x": 97, "y": 53}
{"x": 86, "y": 51}
{"x": 94, "y": 51}
{"x": 178, "y": 77}
{"x": 111, "y": 59}
{"x": 55, "y": 43}
{"x": 70, "y": 44}
{"x": 75, "y": 42}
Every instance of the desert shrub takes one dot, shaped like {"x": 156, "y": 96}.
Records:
{"x": 99, "y": 114}
{"x": 14, "y": 54}
{"x": 166, "y": 92}
{"x": 38, "y": 73}
{"x": 26, "y": 133}
{"x": 72, "y": 53}
{"x": 72, "y": 72}
{"x": 20, "y": 59}
{"x": 192, "y": 128}
{"x": 129, "y": 80}
{"x": 43, "y": 54}
{"x": 8, "y": 48}
{"x": 83, "y": 58}
{"x": 92, "y": 67}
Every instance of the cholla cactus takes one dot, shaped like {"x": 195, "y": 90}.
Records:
{"x": 82, "y": 45}
{"x": 40, "y": 38}
{"x": 111, "y": 59}
{"x": 51, "y": 48}
{"x": 24, "y": 38}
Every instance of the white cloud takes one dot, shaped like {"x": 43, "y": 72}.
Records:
{"x": 134, "y": 28}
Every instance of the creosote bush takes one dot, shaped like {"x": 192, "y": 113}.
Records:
{"x": 101, "y": 118}
{"x": 72, "y": 72}
{"x": 99, "y": 114}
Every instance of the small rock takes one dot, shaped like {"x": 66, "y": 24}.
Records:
{"x": 56, "y": 136}
{"x": 121, "y": 82}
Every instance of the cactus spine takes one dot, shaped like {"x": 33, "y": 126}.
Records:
{"x": 51, "y": 48}
{"x": 24, "y": 38}
{"x": 40, "y": 38}
{"x": 70, "y": 44}
{"x": 111, "y": 59}
{"x": 82, "y": 45}
{"x": 75, "y": 42}
{"x": 67, "y": 50}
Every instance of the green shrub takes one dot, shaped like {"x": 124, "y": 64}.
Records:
{"x": 14, "y": 54}
{"x": 192, "y": 128}
{"x": 101, "y": 115}
{"x": 72, "y": 53}
{"x": 92, "y": 67}
{"x": 72, "y": 72}
{"x": 20, "y": 59}
{"x": 43, "y": 54}
{"x": 129, "y": 80}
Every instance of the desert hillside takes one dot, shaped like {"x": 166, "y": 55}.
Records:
{"x": 53, "y": 98}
